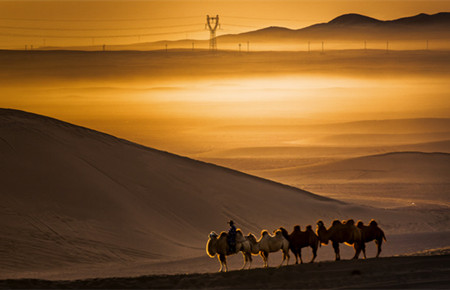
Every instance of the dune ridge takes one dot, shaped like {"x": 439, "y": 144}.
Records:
{"x": 73, "y": 197}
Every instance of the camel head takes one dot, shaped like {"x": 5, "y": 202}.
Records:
{"x": 335, "y": 223}
{"x": 320, "y": 224}
{"x": 211, "y": 245}
{"x": 321, "y": 232}
{"x": 373, "y": 223}
{"x": 278, "y": 232}
{"x": 251, "y": 237}
{"x": 284, "y": 232}
{"x": 254, "y": 246}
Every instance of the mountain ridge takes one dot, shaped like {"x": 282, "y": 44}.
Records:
{"x": 357, "y": 25}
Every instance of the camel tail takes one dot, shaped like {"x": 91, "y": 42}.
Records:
{"x": 384, "y": 237}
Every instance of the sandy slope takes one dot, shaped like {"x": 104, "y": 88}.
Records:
{"x": 394, "y": 272}
{"x": 396, "y": 166}
{"x": 396, "y": 178}
{"x": 73, "y": 197}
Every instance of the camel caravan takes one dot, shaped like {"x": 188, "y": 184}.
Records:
{"x": 347, "y": 232}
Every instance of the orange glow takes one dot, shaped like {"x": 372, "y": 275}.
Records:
{"x": 67, "y": 23}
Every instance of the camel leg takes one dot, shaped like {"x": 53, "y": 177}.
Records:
{"x": 364, "y": 250}
{"x": 225, "y": 263}
{"x": 221, "y": 257}
{"x": 296, "y": 257}
{"x": 314, "y": 251}
{"x": 251, "y": 260}
{"x": 245, "y": 260}
{"x": 300, "y": 256}
{"x": 378, "y": 243}
{"x": 336, "y": 250}
{"x": 282, "y": 261}
{"x": 357, "y": 247}
{"x": 285, "y": 258}
{"x": 265, "y": 256}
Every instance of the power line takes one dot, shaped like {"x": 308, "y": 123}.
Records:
{"x": 266, "y": 19}
{"x": 98, "y": 36}
{"x": 99, "y": 20}
{"x": 238, "y": 25}
{"x": 97, "y": 29}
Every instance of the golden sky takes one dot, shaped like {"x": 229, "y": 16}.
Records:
{"x": 82, "y": 22}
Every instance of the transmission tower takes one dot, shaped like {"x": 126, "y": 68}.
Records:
{"x": 212, "y": 23}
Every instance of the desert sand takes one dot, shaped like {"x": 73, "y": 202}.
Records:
{"x": 117, "y": 208}
{"x": 417, "y": 272}
{"x": 116, "y": 165}
{"x": 176, "y": 163}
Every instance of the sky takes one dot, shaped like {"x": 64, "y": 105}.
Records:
{"x": 66, "y": 23}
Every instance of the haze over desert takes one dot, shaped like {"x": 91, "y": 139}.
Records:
{"x": 119, "y": 160}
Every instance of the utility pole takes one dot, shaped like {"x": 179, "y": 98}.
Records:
{"x": 248, "y": 46}
{"x": 309, "y": 46}
{"x": 192, "y": 46}
{"x": 240, "y": 47}
{"x": 322, "y": 48}
{"x": 212, "y": 23}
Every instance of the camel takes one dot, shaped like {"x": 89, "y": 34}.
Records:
{"x": 370, "y": 233}
{"x": 269, "y": 244}
{"x": 345, "y": 232}
{"x": 253, "y": 250}
{"x": 298, "y": 240}
{"x": 219, "y": 245}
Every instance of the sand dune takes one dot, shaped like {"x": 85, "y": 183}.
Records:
{"x": 396, "y": 178}
{"x": 72, "y": 197}
{"x": 415, "y": 167}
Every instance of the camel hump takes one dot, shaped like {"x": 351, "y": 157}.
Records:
{"x": 336, "y": 222}
{"x": 308, "y": 228}
{"x": 360, "y": 224}
{"x": 264, "y": 233}
{"x": 223, "y": 235}
{"x": 297, "y": 228}
{"x": 278, "y": 233}
{"x": 320, "y": 223}
{"x": 373, "y": 223}
{"x": 350, "y": 222}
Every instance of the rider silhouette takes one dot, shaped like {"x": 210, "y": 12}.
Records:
{"x": 231, "y": 238}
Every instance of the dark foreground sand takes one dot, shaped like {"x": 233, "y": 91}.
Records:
{"x": 392, "y": 272}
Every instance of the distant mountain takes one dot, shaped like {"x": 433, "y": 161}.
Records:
{"x": 347, "y": 27}
{"x": 354, "y": 19}
{"x": 354, "y": 27}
